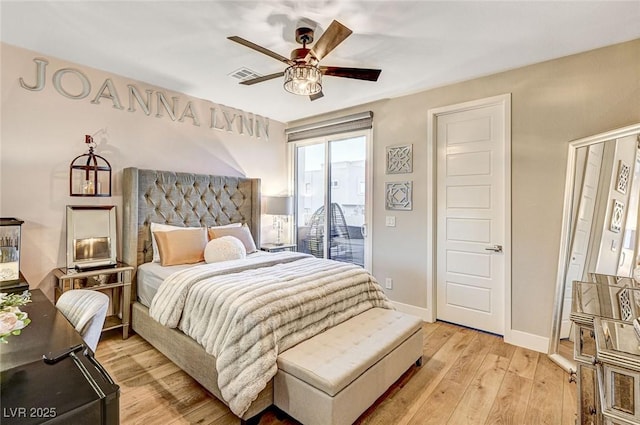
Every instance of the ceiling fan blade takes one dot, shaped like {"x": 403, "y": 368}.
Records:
{"x": 316, "y": 96}
{"x": 356, "y": 73}
{"x": 261, "y": 49}
{"x": 334, "y": 35}
{"x": 262, "y": 78}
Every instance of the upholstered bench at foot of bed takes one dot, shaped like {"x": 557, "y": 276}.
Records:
{"x": 332, "y": 378}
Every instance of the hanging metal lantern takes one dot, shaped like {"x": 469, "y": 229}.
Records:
{"x": 90, "y": 174}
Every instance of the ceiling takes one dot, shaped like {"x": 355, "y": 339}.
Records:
{"x": 183, "y": 46}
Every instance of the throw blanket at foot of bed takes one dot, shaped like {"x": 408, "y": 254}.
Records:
{"x": 246, "y": 318}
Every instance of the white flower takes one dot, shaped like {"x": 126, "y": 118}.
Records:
{"x": 12, "y": 320}
{"x": 15, "y": 310}
{"x": 8, "y": 321}
{"x": 23, "y": 320}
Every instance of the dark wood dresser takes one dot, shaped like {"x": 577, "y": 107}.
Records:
{"x": 75, "y": 389}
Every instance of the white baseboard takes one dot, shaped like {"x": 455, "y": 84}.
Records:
{"x": 527, "y": 340}
{"x": 420, "y": 312}
{"x": 513, "y": 337}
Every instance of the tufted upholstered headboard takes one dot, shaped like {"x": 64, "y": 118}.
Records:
{"x": 182, "y": 199}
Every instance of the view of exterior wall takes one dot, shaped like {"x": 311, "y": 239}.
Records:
{"x": 347, "y": 196}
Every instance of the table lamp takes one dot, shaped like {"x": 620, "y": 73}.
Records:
{"x": 280, "y": 207}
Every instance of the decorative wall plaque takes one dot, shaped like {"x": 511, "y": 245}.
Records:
{"x": 398, "y": 195}
{"x": 625, "y": 304}
{"x": 399, "y": 159}
{"x": 617, "y": 215}
{"x": 624, "y": 172}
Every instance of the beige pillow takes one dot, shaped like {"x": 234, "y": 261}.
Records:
{"x": 158, "y": 227}
{"x": 184, "y": 246}
{"x": 241, "y": 233}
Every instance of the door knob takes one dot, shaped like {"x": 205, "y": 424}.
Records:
{"x": 495, "y": 248}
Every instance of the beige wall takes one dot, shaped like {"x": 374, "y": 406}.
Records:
{"x": 552, "y": 103}
{"x": 42, "y": 131}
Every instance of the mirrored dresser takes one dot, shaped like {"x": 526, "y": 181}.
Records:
{"x": 607, "y": 350}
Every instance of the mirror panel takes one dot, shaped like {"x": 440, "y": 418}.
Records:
{"x": 91, "y": 236}
{"x": 623, "y": 397}
{"x": 599, "y": 238}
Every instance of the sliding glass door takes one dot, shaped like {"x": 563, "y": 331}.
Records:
{"x": 331, "y": 201}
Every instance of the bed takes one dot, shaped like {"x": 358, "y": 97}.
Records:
{"x": 195, "y": 200}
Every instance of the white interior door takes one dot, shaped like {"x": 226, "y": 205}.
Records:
{"x": 472, "y": 170}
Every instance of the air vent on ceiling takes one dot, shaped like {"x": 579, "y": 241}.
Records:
{"x": 244, "y": 74}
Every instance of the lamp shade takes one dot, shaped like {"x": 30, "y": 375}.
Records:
{"x": 278, "y": 205}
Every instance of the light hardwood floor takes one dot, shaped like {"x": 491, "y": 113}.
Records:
{"x": 467, "y": 377}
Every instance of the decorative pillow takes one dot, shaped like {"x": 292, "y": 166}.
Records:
{"x": 225, "y": 226}
{"x": 223, "y": 249}
{"x": 157, "y": 227}
{"x": 183, "y": 246}
{"x": 241, "y": 233}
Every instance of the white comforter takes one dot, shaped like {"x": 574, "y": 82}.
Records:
{"x": 262, "y": 307}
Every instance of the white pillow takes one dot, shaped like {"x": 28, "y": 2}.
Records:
{"x": 223, "y": 249}
{"x": 157, "y": 227}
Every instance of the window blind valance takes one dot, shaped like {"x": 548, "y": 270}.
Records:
{"x": 360, "y": 121}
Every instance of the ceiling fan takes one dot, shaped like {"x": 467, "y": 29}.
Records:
{"x": 304, "y": 74}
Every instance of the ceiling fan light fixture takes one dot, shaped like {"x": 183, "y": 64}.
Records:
{"x": 304, "y": 73}
{"x": 303, "y": 79}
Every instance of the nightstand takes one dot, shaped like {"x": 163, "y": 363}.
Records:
{"x": 116, "y": 280}
{"x": 271, "y": 247}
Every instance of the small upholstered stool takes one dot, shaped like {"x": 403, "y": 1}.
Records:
{"x": 86, "y": 310}
{"x": 332, "y": 378}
